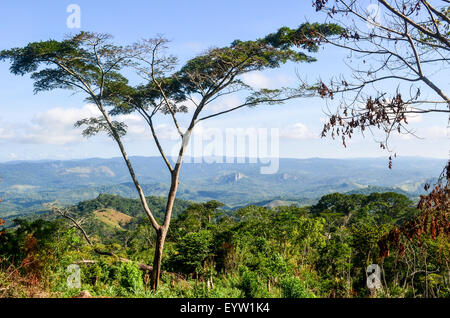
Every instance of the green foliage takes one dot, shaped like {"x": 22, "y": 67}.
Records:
{"x": 65, "y": 62}
{"x": 251, "y": 285}
{"x": 389, "y": 207}
{"x": 192, "y": 250}
{"x": 91, "y": 63}
{"x": 265, "y": 251}
{"x": 197, "y": 217}
{"x": 13, "y": 244}
{"x": 255, "y": 252}
{"x": 305, "y": 36}
{"x": 128, "y": 206}
{"x": 292, "y": 287}
{"x": 243, "y": 56}
{"x": 337, "y": 203}
{"x": 130, "y": 276}
{"x": 335, "y": 263}
{"x": 376, "y": 208}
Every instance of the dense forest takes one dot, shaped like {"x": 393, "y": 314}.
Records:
{"x": 321, "y": 250}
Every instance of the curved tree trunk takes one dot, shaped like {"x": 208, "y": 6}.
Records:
{"x": 161, "y": 233}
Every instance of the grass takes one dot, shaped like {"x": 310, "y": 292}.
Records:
{"x": 112, "y": 217}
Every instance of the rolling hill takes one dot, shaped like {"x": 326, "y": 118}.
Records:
{"x": 28, "y": 185}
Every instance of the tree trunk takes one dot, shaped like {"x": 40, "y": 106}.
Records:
{"x": 161, "y": 233}
{"x": 159, "y": 247}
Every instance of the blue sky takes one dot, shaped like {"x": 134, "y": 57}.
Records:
{"x": 40, "y": 126}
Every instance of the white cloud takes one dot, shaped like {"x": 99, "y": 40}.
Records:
{"x": 258, "y": 80}
{"x": 427, "y": 133}
{"x": 297, "y": 131}
{"x": 224, "y": 103}
{"x": 136, "y": 125}
{"x": 65, "y": 116}
{"x": 55, "y": 126}
{"x": 404, "y": 136}
{"x": 438, "y": 132}
{"x": 169, "y": 132}
{"x": 6, "y": 133}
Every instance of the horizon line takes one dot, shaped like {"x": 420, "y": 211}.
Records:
{"x": 238, "y": 157}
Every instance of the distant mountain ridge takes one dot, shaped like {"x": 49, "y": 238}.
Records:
{"x": 26, "y": 185}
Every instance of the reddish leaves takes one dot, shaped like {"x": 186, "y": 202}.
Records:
{"x": 433, "y": 220}
{"x": 388, "y": 115}
{"x": 319, "y": 4}
{"x": 324, "y": 91}
{"x": 379, "y": 113}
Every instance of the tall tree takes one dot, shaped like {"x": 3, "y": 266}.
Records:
{"x": 90, "y": 63}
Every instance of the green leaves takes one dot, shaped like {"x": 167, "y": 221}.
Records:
{"x": 84, "y": 61}
{"x": 50, "y": 79}
{"x": 376, "y": 208}
{"x": 96, "y": 125}
{"x": 193, "y": 249}
{"x": 219, "y": 67}
{"x": 90, "y": 63}
{"x": 197, "y": 217}
{"x": 292, "y": 287}
{"x": 28, "y": 59}
{"x": 307, "y": 36}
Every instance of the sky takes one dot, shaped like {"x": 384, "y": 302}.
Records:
{"x": 35, "y": 127}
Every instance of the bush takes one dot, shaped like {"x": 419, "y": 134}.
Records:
{"x": 192, "y": 250}
{"x": 292, "y": 287}
{"x": 251, "y": 286}
{"x": 121, "y": 278}
{"x": 130, "y": 277}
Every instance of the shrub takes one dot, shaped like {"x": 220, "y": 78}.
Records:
{"x": 192, "y": 250}
{"x": 251, "y": 286}
{"x": 292, "y": 287}
{"x": 130, "y": 277}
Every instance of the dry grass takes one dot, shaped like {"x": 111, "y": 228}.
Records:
{"x": 14, "y": 284}
{"x": 112, "y": 217}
